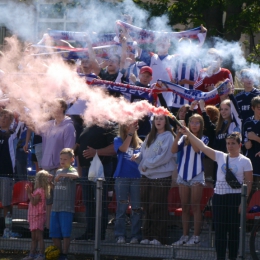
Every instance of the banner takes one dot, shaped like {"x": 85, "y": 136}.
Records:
{"x": 140, "y": 35}
{"x": 192, "y": 94}
{"x": 96, "y": 39}
{"x": 80, "y": 53}
{"x": 142, "y": 93}
{"x": 161, "y": 86}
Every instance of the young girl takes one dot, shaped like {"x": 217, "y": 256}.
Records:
{"x": 190, "y": 179}
{"x": 37, "y": 212}
{"x": 210, "y": 116}
{"x": 156, "y": 166}
{"x": 228, "y": 122}
{"x": 181, "y": 115}
{"x": 127, "y": 183}
{"x": 182, "y": 112}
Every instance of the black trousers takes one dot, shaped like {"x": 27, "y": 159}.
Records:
{"x": 226, "y": 221}
{"x": 154, "y": 195}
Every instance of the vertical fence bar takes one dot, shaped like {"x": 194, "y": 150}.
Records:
{"x": 242, "y": 239}
{"x": 99, "y": 189}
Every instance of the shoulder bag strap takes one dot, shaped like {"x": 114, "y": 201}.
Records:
{"x": 227, "y": 164}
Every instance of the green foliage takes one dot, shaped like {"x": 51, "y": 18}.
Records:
{"x": 241, "y": 16}
{"x": 254, "y": 55}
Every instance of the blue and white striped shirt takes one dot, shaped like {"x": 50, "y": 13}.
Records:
{"x": 184, "y": 68}
{"x": 190, "y": 162}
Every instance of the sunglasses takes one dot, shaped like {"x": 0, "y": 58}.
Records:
{"x": 234, "y": 136}
{"x": 194, "y": 123}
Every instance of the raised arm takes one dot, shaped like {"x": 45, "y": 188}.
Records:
{"x": 175, "y": 142}
{"x": 195, "y": 142}
{"x": 92, "y": 56}
{"x": 125, "y": 145}
{"x": 207, "y": 122}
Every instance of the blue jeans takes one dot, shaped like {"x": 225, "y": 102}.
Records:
{"x": 89, "y": 197}
{"x": 21, "y": 165}
{"x": 128, "y": 190}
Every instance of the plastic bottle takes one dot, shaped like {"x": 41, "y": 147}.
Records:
{"x": 8, "y": 225}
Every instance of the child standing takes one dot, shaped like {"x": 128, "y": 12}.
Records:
{"x": 190, "y": 179}
{"x": 37, "y": 212}
{"x": 63, "y": 202}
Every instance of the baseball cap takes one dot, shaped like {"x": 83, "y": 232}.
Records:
{"x": 146, "y": 69}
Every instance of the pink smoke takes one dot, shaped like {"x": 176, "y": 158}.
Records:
{"x": 34, "y": 82}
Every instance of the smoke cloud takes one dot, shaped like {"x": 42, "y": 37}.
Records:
{"x": 35, "y": 81}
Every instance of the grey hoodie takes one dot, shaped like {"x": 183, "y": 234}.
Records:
{"x": 158, "y": 160}
{"x": 54, "y": 139}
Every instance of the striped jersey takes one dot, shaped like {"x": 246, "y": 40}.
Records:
{"x": 184, "y": 68}
{"x": 190, "y": 162}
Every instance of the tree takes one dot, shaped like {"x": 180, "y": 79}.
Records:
{"x": 227, "y": 19}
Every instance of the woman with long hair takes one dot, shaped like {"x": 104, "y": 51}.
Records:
{"x": 127, "y": 183}
{"x": 228, "y": 122}
{"x": 190, "y": 179}
{"x": 156, "y": 164}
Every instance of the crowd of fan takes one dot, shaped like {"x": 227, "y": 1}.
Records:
{"x": 141, "y": 156}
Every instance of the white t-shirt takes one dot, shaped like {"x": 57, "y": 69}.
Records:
{"x": 238, "y": 165}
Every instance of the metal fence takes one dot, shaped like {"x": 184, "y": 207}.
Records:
{"x": 158, "y": 215}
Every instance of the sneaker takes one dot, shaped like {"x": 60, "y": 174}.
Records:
{"x": 193, "y": 241}
{"x": 29, "y": 257}
{"x": 40, "y": 257}
{"x": 121, "y": 240}
{"x": 155, "y": 242}
{"x": 145, "y": 242}
{"x": 182, "y": 241}
{"x": 134, "y": 240}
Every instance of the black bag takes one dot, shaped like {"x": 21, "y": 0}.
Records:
{"x": 231, "y": 178}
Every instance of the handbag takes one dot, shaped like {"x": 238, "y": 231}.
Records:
{"x": 231, "y": 178}
{"x": 96, "y": 169}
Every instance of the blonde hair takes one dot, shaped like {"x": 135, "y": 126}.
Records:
{"x": 221, "y": 119}
{"x": 136, "y": 141}
{"x": 200, "y": 133}
{"x": 42, "y": 181}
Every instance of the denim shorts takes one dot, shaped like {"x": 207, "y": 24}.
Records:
{"x": 200, "y": 178}
{"x": 61, "y": 224}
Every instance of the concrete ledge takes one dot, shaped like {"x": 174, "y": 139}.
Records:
{"x": 82, "y": 247}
